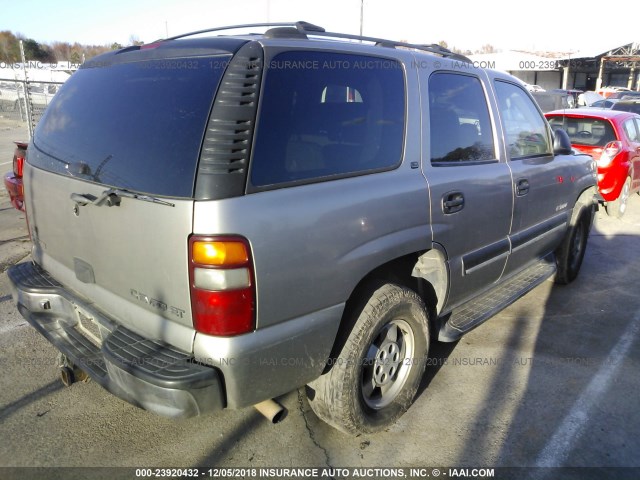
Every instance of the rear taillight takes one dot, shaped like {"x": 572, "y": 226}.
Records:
{"x": 18, "y": 162}
{"x": 609, "y": 152}
{"x": 222, "y": 285}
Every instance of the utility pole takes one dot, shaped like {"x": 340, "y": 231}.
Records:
{"x": 361, "y": 15}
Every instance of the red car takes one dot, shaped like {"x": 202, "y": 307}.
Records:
{"x": 613, "y": 139}
{"x": 13, "y": 180}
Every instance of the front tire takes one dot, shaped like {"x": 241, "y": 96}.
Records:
{"x": 375, "y": 376}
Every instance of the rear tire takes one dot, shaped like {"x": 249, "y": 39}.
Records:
{"x": 571, "y": 252}
{"x": 375, "y": 376}
{"x": 618, "y": 207}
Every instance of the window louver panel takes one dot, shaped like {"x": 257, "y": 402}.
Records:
{"x": 222, "y": 170}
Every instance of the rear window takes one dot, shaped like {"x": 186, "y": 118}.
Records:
{"x": 591, "y": 132}
{"x": 135, "y": 125}
{"x": 326, "y": 115}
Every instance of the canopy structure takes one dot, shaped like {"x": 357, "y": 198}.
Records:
{"x": 583, "y": 70}
{"x": 514, "y": 61}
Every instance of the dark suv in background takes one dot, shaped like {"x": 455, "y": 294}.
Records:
{"x": 628, "y": 105}
{"x": 219, "y": 220}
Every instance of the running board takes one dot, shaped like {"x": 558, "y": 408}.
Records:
{"x": 478, "y": 310}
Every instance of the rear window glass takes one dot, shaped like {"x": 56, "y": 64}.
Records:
{"x": 326, "y": 115}
{"x": 592, "y": 132}
{"x": 135, "y": 125}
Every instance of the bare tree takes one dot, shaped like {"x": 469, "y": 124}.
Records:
{"x": 487, "y": 48}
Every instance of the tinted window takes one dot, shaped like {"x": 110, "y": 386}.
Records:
{"x": 133, "y": 125}
{"x": 327, "y": 114}
{"x": 592, "y": 132}
{"x": 525, "y": 128}
{"x": 459, "y": 119}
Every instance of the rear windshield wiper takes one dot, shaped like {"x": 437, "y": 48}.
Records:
{"x": 113, "y": 196}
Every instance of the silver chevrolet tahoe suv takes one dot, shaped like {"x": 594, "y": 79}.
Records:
{"x": 220, "y": 219}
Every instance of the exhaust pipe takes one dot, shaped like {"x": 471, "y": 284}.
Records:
{"x": 67, "y": 376}
{"x": 272, "y": 410}
{"x": 69, "y": 373}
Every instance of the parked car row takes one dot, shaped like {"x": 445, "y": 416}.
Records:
{"x": 616, "y": 92}
{"x": 629, "y": 103}
{"x": 572, "y": 98}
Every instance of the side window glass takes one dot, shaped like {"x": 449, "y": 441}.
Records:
{"x": 326, "y": 115}
{"x": 637, "y": 120}
{"x": 630, "y": 130}
{"x": 525, "y": 129}
{"x": 459, "y": 122}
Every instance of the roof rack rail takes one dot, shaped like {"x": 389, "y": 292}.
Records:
{"x": 437, "y": 49}
{"x": 302, "y": 27}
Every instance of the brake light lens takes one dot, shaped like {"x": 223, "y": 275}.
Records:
{"x": 149, "y": 46}
{"x": 609, "y": 152}
{"x": 222, "y": 286}
{"x": 18, "y": 162}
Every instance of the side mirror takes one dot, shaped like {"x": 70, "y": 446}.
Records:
{"x": 561, "y": 143}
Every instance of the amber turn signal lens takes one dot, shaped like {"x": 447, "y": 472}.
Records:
{"x": 220, "y": 253}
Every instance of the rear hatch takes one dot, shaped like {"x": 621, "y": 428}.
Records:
{"x": 110, "y": 182}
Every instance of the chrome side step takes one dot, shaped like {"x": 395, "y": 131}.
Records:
{"x": 478, "y": 310}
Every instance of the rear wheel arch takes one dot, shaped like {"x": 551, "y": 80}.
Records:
{"x": 424, "y": 272}
{"x": 586, "y": 199}
{"x": 374, "y": 375}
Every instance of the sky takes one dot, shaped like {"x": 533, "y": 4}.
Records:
{"x": 540, "y": 25}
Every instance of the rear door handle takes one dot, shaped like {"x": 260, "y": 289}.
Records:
{"x": 522, "y": 188}
{"x": 452, "y": 202}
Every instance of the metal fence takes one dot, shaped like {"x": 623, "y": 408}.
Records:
{"x": 25, "y": 101}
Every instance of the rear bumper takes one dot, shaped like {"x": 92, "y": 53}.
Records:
{"x": 147, "y": 373}
{"x": 611, "y": 180}
{"x": 15, "y": 188}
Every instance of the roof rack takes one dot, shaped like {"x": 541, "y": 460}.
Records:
{"x": 301, "y": 27}
{"x": 304, "y": 29}
{"x": 382, "y": 42}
